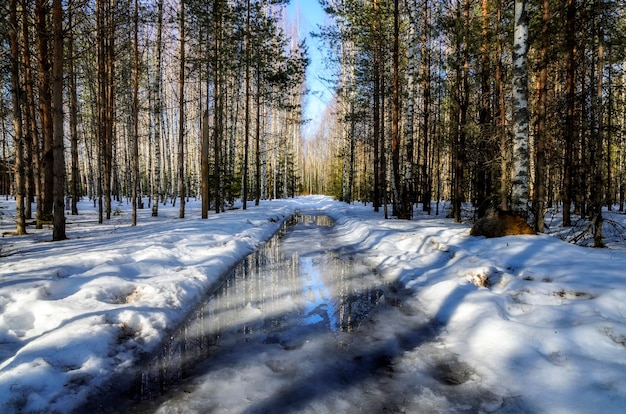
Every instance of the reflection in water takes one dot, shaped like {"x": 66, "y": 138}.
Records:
{"x": 292, "y": 282}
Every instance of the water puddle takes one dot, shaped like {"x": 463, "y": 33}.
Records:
{"x": 294, "y": 288}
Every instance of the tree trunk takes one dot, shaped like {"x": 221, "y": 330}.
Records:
{"x": 110, "y": 110}
{"x": 597, "y": 158}
{"x": 105, "y": 104}
{"x": 75, "y": 186}
{"x": 204, "y": 162}
{"x": 402, "y": 206}
{"x": 482, "y": 181}
{"x": 158, "y": 113}
{"x": 500, "y": 99}
{"x": 20, "y": 219}
{"x": 5, "y": 184}
{"x": 58, "y": 231}
{"x": 539, "y": 194}
{"x": 135, "y": 115}
{"x": 610, "y": 196}
{"x": 246, "y": 145}
{"x": 462, "y": 99}
{"x": 376, "y": 115}
{"x": 383, "y": 150}
{"x": 521, "y": 115}
{"x": 570, "y": 115}
{"x": 425, "y": 176}
{"x": 217, "y": 109}
{"x": 352, "y": 139}
{"x": 45, "y": 108}
{"x": 181, "y": 116}
{"x": 257, "y": 177}
{"x": 409, "y": 128}
{"x": 32, "y": 182}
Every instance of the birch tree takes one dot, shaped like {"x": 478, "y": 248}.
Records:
{"x": 521, "y": 114}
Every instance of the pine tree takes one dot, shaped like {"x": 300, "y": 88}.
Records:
{"x": 17, "y": 120}
{"x": 158, "y": 113}
{"x": 539, "y": 193}
{"x": 181, "y": 116}
{"x": 135, "y": 116}
{"x": 58, "y": 232}
{"x": 75, "y": 184}
{"x": 42, "y": 11}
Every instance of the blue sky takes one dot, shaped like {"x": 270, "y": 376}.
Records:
{"x": 310, "y": 15}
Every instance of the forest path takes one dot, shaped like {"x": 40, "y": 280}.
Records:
{"x": 301, "y": 327}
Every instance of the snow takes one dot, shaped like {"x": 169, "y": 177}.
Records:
{"x": 537, "y": 320}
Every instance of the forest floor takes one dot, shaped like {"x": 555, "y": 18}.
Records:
{"x": 532, "y": 319}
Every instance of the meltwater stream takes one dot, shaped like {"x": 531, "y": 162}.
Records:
{"x": 276, "y": 319}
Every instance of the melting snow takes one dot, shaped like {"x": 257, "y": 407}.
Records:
{"x": 538, "y": 322}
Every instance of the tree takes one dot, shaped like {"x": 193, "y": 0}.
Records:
{"x": 541, "y": 129}
{"x": 32, "y": 167}
{"x": 181, "y": 116}
{"x": 570, "y": 114}
{"x": 501, "y": 110}
{"x": 378, "y": 171}
{"x": 75, "y": 187}
{"x": 426, "y": 180}
{"x": 483, "y": 192}
{"x": 158, "y": 113}
{"x": 412, "y": 62}
{"x": 246, "y": 145}
{"x": 521, "y": 114}
{"x": 204, "y": 162}
{"x": 105, "y": 103}
{"x": 58, "y": 232}
{"x": 17, "y": 120}
{"x": 135, "y": 115}
{"x": 45, "y": 109}
{"x": 598, "y": 129}
{"x": 403, "y": 208}
{"x": 218, "y": 114}
{"x": 461, "y": 106}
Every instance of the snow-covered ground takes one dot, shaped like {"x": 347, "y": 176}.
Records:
{"x": 536, "y": 319}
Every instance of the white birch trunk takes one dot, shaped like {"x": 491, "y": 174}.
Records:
{"x": 520, "y": 183}
{"x": 411, "y": 88}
